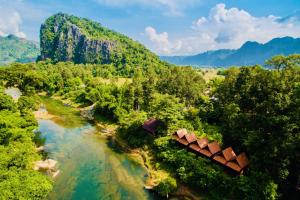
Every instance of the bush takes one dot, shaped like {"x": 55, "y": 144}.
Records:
{"x": 166, "y": 186}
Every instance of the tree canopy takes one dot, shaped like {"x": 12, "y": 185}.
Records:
{"x": 253, "y": 109}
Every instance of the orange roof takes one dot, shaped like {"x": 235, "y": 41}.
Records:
{"x": 239, "y": 163}
{"x": 186, "y": 139}
{"x": 214, "y": 147}
{"x": 183, "y": 141}
{"x": 242, "y": 160}
{"x": 229, "y": 154}
{"x": 227, "y": 157}
{"x": 234, "y": 166}
{"x": 180, "y": 133}
{"x": 191, "y": 138}
{"x": 220, "y": 159}
{"x": 206, "y": 152}
{"x": 195, "y": 147}
{"x": 202, "y": 143}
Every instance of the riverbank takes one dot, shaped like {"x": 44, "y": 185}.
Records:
{"x": 145, "y": 159}
{"x": 43, "y": 114}
{"x": 108, "y": 129}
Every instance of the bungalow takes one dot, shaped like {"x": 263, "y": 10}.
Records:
{"x": 184, "y": 138}
{"x": 211, "y": 149}
{"x": 151, "y": 126}
{"x": 190, "y": 138}
{"x": 180, "y": 134}
{"x": 225, "y": 156}
{"x": 239, "y": 163}
{"x": 199, "y": 144}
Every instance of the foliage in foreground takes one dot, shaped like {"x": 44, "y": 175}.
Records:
{"x": 17, "y": 152}
{"x": 253, "y": 109}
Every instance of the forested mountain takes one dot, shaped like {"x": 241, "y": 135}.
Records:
{"x": 14, "y": 49}
{"x": 68, "y": 38}
{"x": 250, "y": 53}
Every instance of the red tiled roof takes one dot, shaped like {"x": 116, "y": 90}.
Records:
{"x": 242, "y": 160}
{"x": 191, "y": 138}
{"x": 150, "y": 125}
{"x": 227, "y": 157}
{"x": 195, "y": 147}
{"x": 183, "y": 141}
{"x": 229, "y": 154}
{"x": 214, "y": 147}
{"x": 184, "y": 138}
{"x": 239, "y": 163}
{"x": 220, "y": 159}
{"x": 180, "y": 133}
{"x": 202, "y": 143}
{"x": 206, "y": 152}
{"x": 234, "y": 166}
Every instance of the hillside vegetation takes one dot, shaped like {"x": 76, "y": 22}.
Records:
{"x": 18, "y": 142}
{"x": 252, "y": 109}
{"x": 70, "y": 38}
{"x": 14, "y": 49}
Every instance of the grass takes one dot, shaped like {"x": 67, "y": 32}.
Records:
{"x": 209, "y": 74}
{"x": 116, "y": 81}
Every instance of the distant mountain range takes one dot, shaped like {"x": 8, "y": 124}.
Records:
{"x": 14, "y": 49}
{"x": 89, "y": 42}
{"x": 250, "y": 53}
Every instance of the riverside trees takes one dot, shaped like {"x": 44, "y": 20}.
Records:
{"x": 253, "y": 109}
{"x": 259, "y": 112}
{"x": 17, "y": 152}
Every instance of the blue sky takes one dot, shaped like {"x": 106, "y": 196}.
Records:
{"x": 168, "y": 27}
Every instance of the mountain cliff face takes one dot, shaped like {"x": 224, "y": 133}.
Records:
{"x": 68, "y": 38}
{"x": 250, "y": 53}
{"x": 14, "y": 49}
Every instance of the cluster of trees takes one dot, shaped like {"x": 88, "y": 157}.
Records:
{"x": 18, "y": 180}
{"x": 259, "y": 113}
{"x": 252, "y": 109}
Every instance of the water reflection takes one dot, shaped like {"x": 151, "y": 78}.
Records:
{"x": 90, "y": 169}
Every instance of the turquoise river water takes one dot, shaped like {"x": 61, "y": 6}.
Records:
{"x": 90, "y": 166}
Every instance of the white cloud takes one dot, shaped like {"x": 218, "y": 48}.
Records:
{"x": 200, "y": 21}
{"x": 161, "y": 42}
{"x": 170, "y": 7}
{"x": 10, "y": 21}
{"x": 230, "y": 28}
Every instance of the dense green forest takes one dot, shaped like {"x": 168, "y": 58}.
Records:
{"x": 18, "y": 142}
{"x": 251, "y": 108}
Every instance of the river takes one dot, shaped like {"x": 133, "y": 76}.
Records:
{"x": 91, "y": 167}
